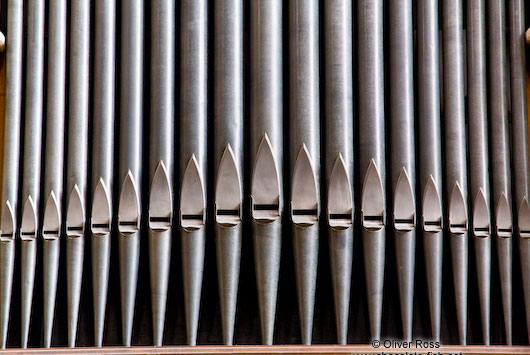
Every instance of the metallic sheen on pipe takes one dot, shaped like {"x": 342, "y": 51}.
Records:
{"x": 266, "y": 154}
{"x": 520, "y": 162}
{"x": 403, "y": 165}
{"x": 338, "y": 163}
{"x": 304, "y": 115}
{"x": 130, "y": 157}
{"x": 193, "y": 155}
{"x": 54, "y": 160}
{"x": 456, "y": 155}
{"x": 430, "y": 155}
{"x": 500, "y": 155}
{"x": 76, "y": 183}
{"x": 478, "y": 156}
{"x": 31, "y": 175}
{"x": 161, "y": 157}
{"x": 102, "y": 158}
{"x": 10, "y": 160}
{"x": 228, "y": 154}
{"x": 372, "y": 154}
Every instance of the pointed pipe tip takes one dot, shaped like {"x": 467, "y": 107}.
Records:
{"x": 305, "y": 247}
{"x": 341, "y": 258}
{"x": 159, "y": 261}
{"x": 267, "y": 253}
{"x": 129, "y": 252}
{"x": 228, "y": 248}
{"x": 192, "y": 251}
{"x": 100, "y": 279}
{"x": 374, "y": 266}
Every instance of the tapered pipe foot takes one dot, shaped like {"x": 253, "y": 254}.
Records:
{"x": 433, "y": 248}
{"x": 129, "y": 249}
{"x": 7, "y": 264}
{"x": 50, "y": 275}
{"x": 374, "y": 267}
{"x": 29, "y": 258}
{"x": 75, "y": 247}
{"x": 159, "y": 260}
{"x": 483, "y": 262}
{"x": 459, "y": 256}
{"x": 405, "y": 262}
{"x": 504, "y": 251}
{"x": 305, "y": 245}
{"x": 341, "y": 257}
{"x": 267, "y": 251}
{"x": 100, "y": 282}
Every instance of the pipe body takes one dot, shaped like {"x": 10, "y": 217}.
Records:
{"x": 162, "y": 146}
{"x": 372, "y": 150}
{"x": 479, "y": 187}
{"x": 130, "y": 164}
{"x": 520, "y": 162}
{"x": 102, "y": 157}
{"x": 10, "y": 160}
{"x": 54, "y": 159}
{"x": 403, "y": 150}
{"x": 228, "y": 125}
{"x": 456, "y": 154}
{"x": 31, "y": 169}
{"x": 193, "y": 144}
{"x": 338, "y": 29}
{"x": 430, "y": 158}
{"x": 304, "y": 128}
{"x": 266, "y": 122}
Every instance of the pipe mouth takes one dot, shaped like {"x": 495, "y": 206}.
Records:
{"x": 305, "y": 208}
{"x": 160, "y": 200}
{"x": 372, "y": 199}
{"x": 101, "y": 221}
{"x": 28, "y": 226}
{"x": 192, "y": 201}
{"x": 228, "y": 195}
{"x": 481, "y": 216}
{"x": 265, "y": 188}
{"x": 432, "y": 218}
{"x": 129, "y": 207}
{"x": 404, "y": 204}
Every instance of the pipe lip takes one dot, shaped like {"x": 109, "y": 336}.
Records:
{"x": 101, "y": 221}
{"x": 404, "y": 216}
{"x": 481, "y": 215}
{"x": 129, "y": 207}
{"x": 51, "y": 225}
{"x": 372, "y": 199}
{"x": 503, "y": 218}
{"x": 305, "y": 205}
{"x": 75, "y": 214}
{"x": 432, "y": 218}
{"x": 228, "y": 195}
{"x": 8, "y": 226}
{"x": 160, "y": 200}
{"x": 523, "y": 219}
{"x": 192, "y": 214}
{"x": 340, "y": 197}
{"x": 457, "y": 211}
{"x": 28, "y": 226}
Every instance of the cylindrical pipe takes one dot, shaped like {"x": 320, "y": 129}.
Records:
{"x": 456, "y": 154}
{"x": 403, "y": 151}
{"x": 162, "y": 145}
{"x": 304, "y": 114}
{"x": 266, "y": 122}
{"x": 10, "y": 160}
{"x": 77, "y": 158}
{"x": 372, "y": 153}
{"x": 338, "y": 30}
{"x": 193, "y": 148}
{"x": 228, "y": 152}
{"x": 500, "y": 153}
{"x": 102, "y": 157}
{"x": 479, "y": 187}
{"x": 130, "y": 164}
{"x": 430, "y": 154}
{"x": 54, "y": 159}
{"x": 520, "y": 162}
{"x": 31, "y": 175}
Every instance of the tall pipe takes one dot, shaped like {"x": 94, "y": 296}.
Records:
{"x": 54, "y": 160}
{"x": 10, "y": 160}
{"x": 102, "y": 158}
{"x": 479, "y": 187}
{"x": 77, "y": 158}
{"x": 193, "y": 154}
{"x": 430, "y": 155}
{"x": 338, "y": 164}
{"x": 130, "y": 155}
{"x": 228, "y": 154}
{"x": 403, "y": 165}
{"x": 31, "y": 173}
{"x": 266, "y": 154}
{"x": 161, "y": 157}
{"x": 304, "y": 153}
{"x": 372, "y": 154}
{"x": 520, "y": 162}
{"x": 500, "y": 155}
{"x": 456, "y": 155}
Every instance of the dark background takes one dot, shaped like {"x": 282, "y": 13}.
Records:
{"x": 247, "y": 319}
